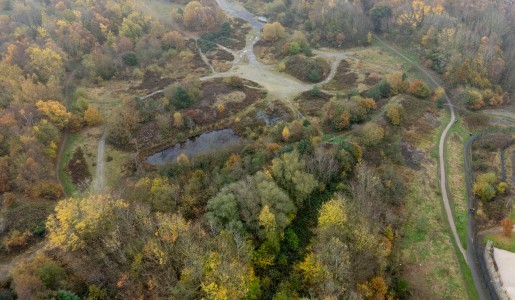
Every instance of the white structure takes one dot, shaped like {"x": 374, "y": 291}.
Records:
{"x": 505, "y": 261}
{"x": 263, "y": 19}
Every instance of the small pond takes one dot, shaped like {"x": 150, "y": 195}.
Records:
{"x": 203, "y": 143}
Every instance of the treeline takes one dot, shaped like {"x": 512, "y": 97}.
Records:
{"x": 336, "y": 23}
{"x": 469, "y": 42}
{"x": 230, "y": 225}
{"x": 47, "y": 51}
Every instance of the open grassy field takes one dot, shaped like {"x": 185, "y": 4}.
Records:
{"x": 456, "y": 178}
{"x": 105, "y": 97}
{"x": 378, "y": 56}
{"x": 501, "y": 241}
{"x": 433, "y": 268}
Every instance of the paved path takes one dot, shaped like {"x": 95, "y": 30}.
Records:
{"x": 468, "y": 256}
{"x": 505, "y": 261}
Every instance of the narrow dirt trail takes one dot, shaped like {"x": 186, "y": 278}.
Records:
{"x": 99, "y": 182}
{"x": 467, "y": 255}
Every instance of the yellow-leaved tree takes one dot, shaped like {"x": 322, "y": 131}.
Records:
{"x": 272, "y": 32}
{"x": 78, "y": 222}
{"x": 92, "y": 116}
{"x": 45, "y": 62}
{"x": 286, "y": 133}
{"x": 55, "y": 112}
{"x": 414, "y": 15}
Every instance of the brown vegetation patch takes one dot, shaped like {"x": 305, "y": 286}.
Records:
{"x": 308, "y": 69}
{"x": 421, "y": 117}
{"x": 221, "y": 66}
{"x": 345, "y": 78}
{"x": 269, "y": 52}
{"x": 311, "y": 104}
{"x": 412, "y": 157}
{"x": 418, "y": 283}
{"x": 476, "y": 121}
{"x": 240, "y": 30}
{"x": 372, "y": 78}
{"x": 214, "y": 90}
{"x": 262, "y": 115}
{"x": 220, "y": 55}
{"x": 153, "y": 80}
{"x": 78, "y": 167}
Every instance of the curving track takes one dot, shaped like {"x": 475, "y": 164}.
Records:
{"x": 468, "y": 255}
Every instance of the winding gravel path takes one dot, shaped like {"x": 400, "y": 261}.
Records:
{"x": 467, "y": 255}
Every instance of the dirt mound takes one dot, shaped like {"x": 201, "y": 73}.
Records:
{"x": 220, "y": 55}
{"x": 311, "y": 103}
{"x": 269, "y": 52}
{"x": 308, "y": 69}
{"x": 153, "y": 81}
{"x": 345, "y": 78}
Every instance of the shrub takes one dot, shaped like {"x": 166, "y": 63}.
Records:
{"x": 181, "y": 99}
{"x": 476, "y": 120}
{"x": 294, "y": 48}
{"x": 373, "y": 78}
{"x": 46, "y": 189}
{"x": 67, "y": 295}
{"x": 304, "y": 147}
{"x": 130, "y": 59}
{"x": 367, "y": 103}
{"x": 473, "y": 99}
{"x": 372, "y": 134}
{"x": 418, "y": 89}
{"x": 483, "y": 187}
{"x": 315, "y": 91}
{"x": 281, "y": 67}
{"x": 92, "y": 116}
{"x": 78, "y": 167}
{"x": 16, "y": 239}
{"x": 398, "y": 82}
{"x": 395, "y": 113}
{"x": 380, "y": 90}
{"x": 272, "y": 32}
{"x": 50, "y": 273}
{"x": 96, "y": 293}
{"x": 234, "y": 82}
{"x": 438, "y": 94}
{"x": 314, "y": 76}
{"x": 502, "y": 187}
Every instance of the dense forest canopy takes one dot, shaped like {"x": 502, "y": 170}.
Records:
{"x": 312, "y": 202}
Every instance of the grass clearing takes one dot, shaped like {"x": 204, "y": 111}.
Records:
{"x": 501, "y": 241}
{"x": 426, "y": 243}
{"x": 435, "y": 266}
{"x": 411, "y": 70}
{"x": 106, "y": 98}
{"x": 458, "y": 135}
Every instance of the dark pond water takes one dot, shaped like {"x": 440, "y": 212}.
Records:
{"x": 203, "y": 143}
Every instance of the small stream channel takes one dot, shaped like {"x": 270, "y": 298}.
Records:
{"x": 203, "y": 143}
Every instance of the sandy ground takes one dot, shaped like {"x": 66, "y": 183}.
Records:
{"x": 506, "y": 262}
